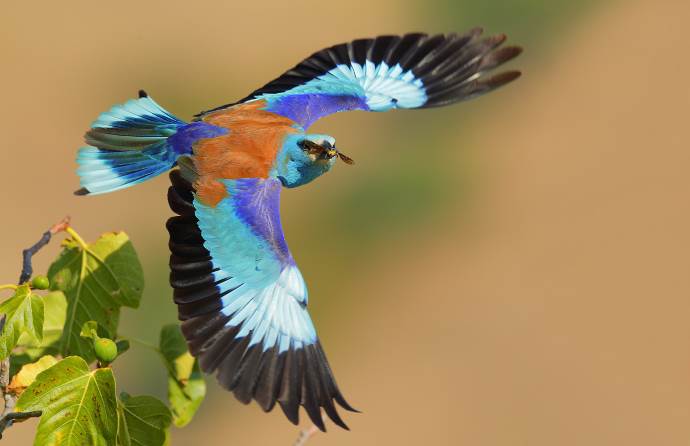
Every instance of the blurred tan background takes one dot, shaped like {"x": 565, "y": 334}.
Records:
{"x": 510, "y": 271}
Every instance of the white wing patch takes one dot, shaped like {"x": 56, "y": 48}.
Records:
{"x": 276, "y": 314}
{"x": 264, "y": 296}
{"x": 383, "y": 87}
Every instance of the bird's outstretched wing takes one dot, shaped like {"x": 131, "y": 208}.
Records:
{"x": 387, "y": 72}
{"x": 243, "y": 301}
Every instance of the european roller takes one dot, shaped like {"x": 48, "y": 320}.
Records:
{"x": 241, "y": 298}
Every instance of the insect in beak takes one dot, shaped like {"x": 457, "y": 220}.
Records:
{"x": 324, "y": 153}
{"x": 346, "y": 159}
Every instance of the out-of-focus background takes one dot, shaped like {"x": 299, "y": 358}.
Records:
{"x": 509, "y": 271}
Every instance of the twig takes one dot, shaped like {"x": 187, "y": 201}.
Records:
{"x": 8, "y": 414}
{"x": 305, "y": 435}
{"x": 28, "y": 253}
{"x": 10, "y": 418}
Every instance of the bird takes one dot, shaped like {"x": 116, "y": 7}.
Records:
{"x": 241, "y": 298}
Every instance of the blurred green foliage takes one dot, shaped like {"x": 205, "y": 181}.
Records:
{"x": 524, "y": 21}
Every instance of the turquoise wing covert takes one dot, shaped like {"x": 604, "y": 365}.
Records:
{"x": 243, "y": 301}
{"x": 387, "y": 72}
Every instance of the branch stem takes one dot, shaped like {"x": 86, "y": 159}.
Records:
{"x": 28, "y": 253}
{"x": 76, "y": 237}
{"x": 142, "y": 343}
{"x": 9, "y": 416}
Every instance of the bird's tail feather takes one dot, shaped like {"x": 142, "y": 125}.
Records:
{"x": 127, "y": 145}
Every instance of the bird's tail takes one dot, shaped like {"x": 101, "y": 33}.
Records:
{"x": 127, "y": 145}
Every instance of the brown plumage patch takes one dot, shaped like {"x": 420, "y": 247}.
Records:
{"x": 247, "y": 151}
{"x": 209, "y": 190}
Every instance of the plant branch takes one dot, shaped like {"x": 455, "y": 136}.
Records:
{"x": 28, "y": 253}
{"x": 10, "y": 418}
{"x": 8, "y": 415}
{"x": 142, "y": 343}
{"x": 76, "y": 237}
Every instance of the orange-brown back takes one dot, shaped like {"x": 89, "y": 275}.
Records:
{"x": 248, "y": 150}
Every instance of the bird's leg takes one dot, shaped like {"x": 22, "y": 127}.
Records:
{"x": 305, "y": 435}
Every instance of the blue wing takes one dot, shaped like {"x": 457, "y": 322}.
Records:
{"x": 387, "y": 72}
{"x": 243, "y": 301}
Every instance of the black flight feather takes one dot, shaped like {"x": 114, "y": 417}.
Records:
{"x": 443, "y": 62}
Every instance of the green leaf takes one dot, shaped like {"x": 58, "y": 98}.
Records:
{"x": 91, "y": 330}
{"x": 186, "y": 386}
{"x": 144, "y": 420}
{"x": 23, "y": 314}
{"x": 97, "y": 280}
{"x": 54, "y": 311}
{"x": 27, "y": 374}
{"x": 79, "y": 405}
{"x": 122, "y": 346}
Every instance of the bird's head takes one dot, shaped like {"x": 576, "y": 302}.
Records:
{"x": 305, "y": 157}
{"x": 321, "y": 148}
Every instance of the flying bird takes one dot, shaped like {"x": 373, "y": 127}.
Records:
{"x": 240, "y": 295}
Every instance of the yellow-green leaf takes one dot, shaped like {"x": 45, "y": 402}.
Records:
{"x": 23, "y": 314}
{"x": 97, "y": 279}
{"x": 186, "y": 385}
{"x": 54, "y": 310}
{"x": 89, "y": 330}
{"x": 79, "y": 405}
{"x": 27, "y": 374}
{"x": 54, "y": 313}
{"x": 144, "y": 420}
